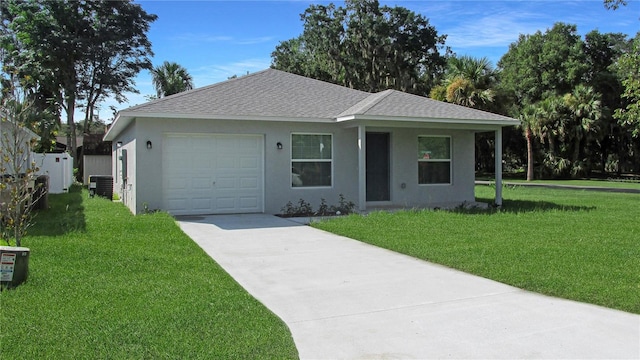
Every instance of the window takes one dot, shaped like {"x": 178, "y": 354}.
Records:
{"x": 311, "y": 160}
{"x": 434, "y": 160}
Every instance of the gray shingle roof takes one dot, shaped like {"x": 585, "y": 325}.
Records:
{"x": 268, "y": 93}
{"x": 393, "y": 103}
{"x": 280, "y": 95}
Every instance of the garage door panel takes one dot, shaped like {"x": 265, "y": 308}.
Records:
{"x": 178, "y": 206}
{"x": 202, "y": 183}
{"x": 225, "y": 204}
{"x": 248, "y": 183}
{"x": 225, "y": 163}
{"x": 213, "y": 173}
{"x": 178, "y": 183}
{"x": 248, "y": 202}
{"x": 200, "y": 204}
{"x": 226, "y": 183}
{"x": 248, "y": 162}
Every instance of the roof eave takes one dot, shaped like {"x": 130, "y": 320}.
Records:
{"x": 500, "y": 122}
{"x": 125, "y": 118}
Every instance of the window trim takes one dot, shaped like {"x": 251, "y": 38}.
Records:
{"x": 449, "y": 160}
{"x": 292, "y": 160}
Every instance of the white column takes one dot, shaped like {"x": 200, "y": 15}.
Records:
{"x": 498, "y": 158}
{"x": 362, "y": 168}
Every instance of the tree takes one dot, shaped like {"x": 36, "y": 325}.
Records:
{"x": 170, "y": 78}
{"x": 17, "y": 170}
{"x": 529, "y": 123}
{"x": 542, "y": 63}
{"x": 614, "y": 4}
{"x": 629, "y": 67}
{"x": 468, "y": 82}
{"x": 80, "y": 51}
{"x": 586, "y": 109}
{"x": 365, "y": 46}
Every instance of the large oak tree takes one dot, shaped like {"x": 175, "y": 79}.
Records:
{"x": 79, "y": 51}
{"x": 365, "y": 46}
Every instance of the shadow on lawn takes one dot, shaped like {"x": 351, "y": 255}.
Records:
{"x": 65, "y": 214}
{"x": 523, "y": 206}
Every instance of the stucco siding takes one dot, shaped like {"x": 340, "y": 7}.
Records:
{"x": 125, "y": 187}
{"x": 278, "y": 189}
{"x": 405, "y": 190}
{"x": 144, "y": 186}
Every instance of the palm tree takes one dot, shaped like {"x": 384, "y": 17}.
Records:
{"x": 585, "y": 107}
{"x": 530, "y": 122}
{"x": 170, "y": 78}
{"x": 469, "y": 82}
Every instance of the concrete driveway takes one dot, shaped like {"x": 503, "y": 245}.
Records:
{"x": 343, "y": 299}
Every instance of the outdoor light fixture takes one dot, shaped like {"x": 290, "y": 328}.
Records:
{"x": 279, "y": 145}
{"x": 149, "y": 144}
{"x": 119, "y": 144}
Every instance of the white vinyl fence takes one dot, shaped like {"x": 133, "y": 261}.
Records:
{"x": 59, "y": 168}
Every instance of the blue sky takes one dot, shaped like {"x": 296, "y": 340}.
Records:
{"x": 214, "y": 40}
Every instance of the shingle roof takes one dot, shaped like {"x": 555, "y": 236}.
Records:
{"x": 280, "y": 95}
{"x": 266, "y": 93}
{"x": 393, "y": 103}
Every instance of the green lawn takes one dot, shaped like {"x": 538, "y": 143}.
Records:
{"x": 105, "y": 284}
{"x": 574, "y": 244}
{"x": 616, "y": 184}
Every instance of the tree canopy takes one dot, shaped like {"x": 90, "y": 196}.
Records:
{"x": 365, "y": 46}
{"x": 629, "y": 67}
{"x": 77, "y": 52}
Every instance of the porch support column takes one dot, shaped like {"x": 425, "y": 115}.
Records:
{"x": 362, "y": 168}
{"x": 498, "y": 158}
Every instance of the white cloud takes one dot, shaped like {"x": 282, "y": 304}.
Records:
{"x": 189, "y": 38}
{"x": 210, "y": 74}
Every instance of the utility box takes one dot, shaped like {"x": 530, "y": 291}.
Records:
{"x": 101, "y": 185}
{"x": 14, "y": 265}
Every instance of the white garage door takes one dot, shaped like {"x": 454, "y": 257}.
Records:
{"x": 213, "y": 174}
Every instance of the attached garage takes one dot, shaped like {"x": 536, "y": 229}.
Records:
{"x": 213, "y": 173}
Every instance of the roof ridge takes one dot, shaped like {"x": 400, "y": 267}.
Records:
{"x": 367, "y": 103}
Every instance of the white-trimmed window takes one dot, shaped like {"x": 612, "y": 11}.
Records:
{"x": 434, "y": 160}
{"x": 311, "y": 160}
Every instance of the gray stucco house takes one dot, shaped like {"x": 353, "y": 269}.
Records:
{"x": 251, "y": 144}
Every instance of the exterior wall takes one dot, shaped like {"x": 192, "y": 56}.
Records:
{"x": 144, "y": 185}
{"x": 278, "y": 190}
{"x": 404, "y": 168}
{"x": 96, "y": 165}
{"x": 125, "y": 187}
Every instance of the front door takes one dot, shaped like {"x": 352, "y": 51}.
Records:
{"x": 378, "y": 166}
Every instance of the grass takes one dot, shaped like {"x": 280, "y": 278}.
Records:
{"x": 573, "y": 244}
{"x": 104, "y": 284}
{"x": 615, "y": 184}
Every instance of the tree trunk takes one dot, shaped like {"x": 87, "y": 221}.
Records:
{"x": 72, "y": 144}
{"x": 529, "y": 135}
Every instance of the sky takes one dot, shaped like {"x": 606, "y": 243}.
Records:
{"x": 215, "y": 40}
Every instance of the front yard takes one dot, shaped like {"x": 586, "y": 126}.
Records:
{"x": 573, "y": 244}
{"x": 105, "y": 284}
